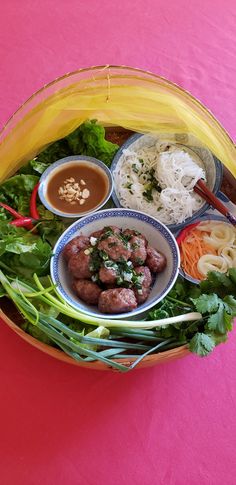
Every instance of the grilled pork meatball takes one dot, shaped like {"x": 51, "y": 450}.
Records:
{"x": 132, "y": 232}
{"x": 98, "y": 234}
{"x": 117, "y": 300}
{"x": 142, "y": 295}
{"x": 156, "y": 261}
{"x": 79, "y": 264}
{"x": 146, "y": 273}
{"x": 139, "y": 252}
{"x": 87, "y": 291}
{"x": 107, "y": 276}
{"x": 74, "y": 246}
{"x": 115, "y": 248}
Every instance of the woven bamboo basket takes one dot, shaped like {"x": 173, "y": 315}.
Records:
{"x": 117, "y": 96}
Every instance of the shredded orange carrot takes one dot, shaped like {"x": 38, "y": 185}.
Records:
{"x": 191, "y": 250}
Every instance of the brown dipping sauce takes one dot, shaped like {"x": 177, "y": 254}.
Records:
{"x": 93, "y": 178}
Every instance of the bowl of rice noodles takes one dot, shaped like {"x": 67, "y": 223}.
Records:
{"x": 116, "y": 96}
{"x": 157, "y": 174}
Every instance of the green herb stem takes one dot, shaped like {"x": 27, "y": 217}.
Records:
{"x": 181, "y": 303}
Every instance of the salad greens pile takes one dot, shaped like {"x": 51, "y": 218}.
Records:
{"x": 22, "y": 252}
{"x": 199, "y": 317}
{"x": 16, "y": 192}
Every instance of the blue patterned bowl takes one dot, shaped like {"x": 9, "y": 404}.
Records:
{"x": 158, "y": 236}
{"x": 212, "y": 166}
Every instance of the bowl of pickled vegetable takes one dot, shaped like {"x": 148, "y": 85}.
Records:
{"x": 205, "y": 246}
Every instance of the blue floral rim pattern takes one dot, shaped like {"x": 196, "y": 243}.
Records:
{"x": 78, "y": 225}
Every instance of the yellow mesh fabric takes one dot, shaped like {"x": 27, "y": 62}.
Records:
{"x": 117, "y": 96}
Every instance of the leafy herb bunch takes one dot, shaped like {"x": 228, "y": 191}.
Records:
{"x": 214, "y": 298}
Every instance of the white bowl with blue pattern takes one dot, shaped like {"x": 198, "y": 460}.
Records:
{"x": 211, "y": 165}
{"x": 158, "y": 236}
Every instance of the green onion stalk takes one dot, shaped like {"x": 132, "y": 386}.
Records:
{"x": 90, "y": 348}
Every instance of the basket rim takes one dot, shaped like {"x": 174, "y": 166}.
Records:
{"x": 148, "y": 361}
{"x": 58, "y": 354}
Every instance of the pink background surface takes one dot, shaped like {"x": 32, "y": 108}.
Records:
{"x": 173, "y": 424}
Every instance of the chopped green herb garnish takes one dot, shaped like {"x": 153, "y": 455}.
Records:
{"x": 107, "y": 233}
{"x": 109, "y": 264}
{"x": 153, "y": 181}
{"x": 124, "y": 238}
{"x": 128, "y": 186}
{"x": 96, "y": 261}
{"x": 135, "y": 168}
{"x": 104, "y": 256}
{"x": 148, "y": 194}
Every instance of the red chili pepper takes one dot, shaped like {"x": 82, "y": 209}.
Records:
{"x": 33, "y": 203}
{"x": 12, "y": 211}
{"x": 182, "y": 235}
{"x": 23, "y": 222}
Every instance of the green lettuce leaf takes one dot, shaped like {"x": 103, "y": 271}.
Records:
{"x": 52, "y": 227}
{"x": 16, "y": 192}
{"x": 35, "y": 332}
{"x": 23, "y": 252}
{"x": 99, "y": 332}
{"x": 89, "y": 139}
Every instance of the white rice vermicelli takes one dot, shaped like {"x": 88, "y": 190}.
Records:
{"x": 174, "y": 171}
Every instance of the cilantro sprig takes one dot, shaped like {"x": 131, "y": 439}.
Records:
{"x": 214, "y": 298}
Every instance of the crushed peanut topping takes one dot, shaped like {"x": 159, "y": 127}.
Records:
{"x": 85, "y": 194}
{"x": 72, "y": 192}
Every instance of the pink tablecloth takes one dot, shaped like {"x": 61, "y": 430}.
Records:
{"x": 174, "y": 424}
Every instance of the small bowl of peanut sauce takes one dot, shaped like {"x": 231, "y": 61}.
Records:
{"x": 75, "y": 186}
